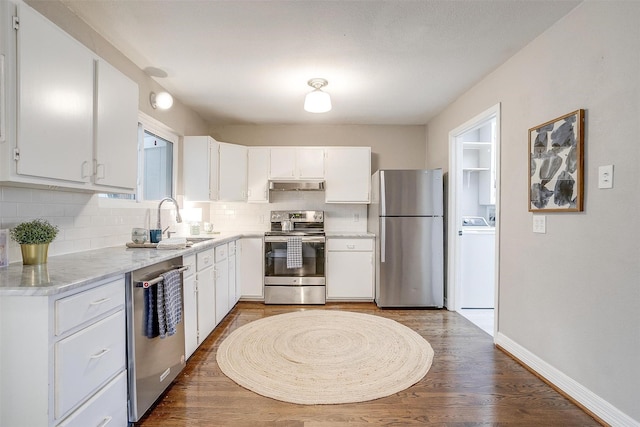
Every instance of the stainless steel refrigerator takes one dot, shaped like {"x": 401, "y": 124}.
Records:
{"x": 406, "y": 215}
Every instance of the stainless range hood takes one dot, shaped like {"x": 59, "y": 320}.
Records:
{"x": 299, "y": 185}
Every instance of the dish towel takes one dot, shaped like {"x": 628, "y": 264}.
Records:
{"x": 169, "y": 302}
{"x": 151, "y": 325}
{"x": 294, "y": 252}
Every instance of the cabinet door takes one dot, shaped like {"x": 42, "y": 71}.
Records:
{"x": 348, "y": 175}
{"x": 200, "y": 168}
{"x": 190, "y": 314}
{"x": 282, "y": 161}
{"x": 233, "y": 289}
{"x": 233, "y": 172}
{"x": 222, "y": 290}
{"x": 206, "y": 303}
{"x": 310, "y": 163}
{"x": 55, "y": 88}
{"x": 350, "y": 275}
{"x": 116, "y": 150}
{"x": 86, "y": 359}
{"x": 250, "y": 269}
{"x": 258, "y": 175}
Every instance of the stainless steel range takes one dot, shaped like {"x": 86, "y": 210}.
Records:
{"x": 294, "y": 258}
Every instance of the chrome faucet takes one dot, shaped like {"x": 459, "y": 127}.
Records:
{"x": 178, "y": 217}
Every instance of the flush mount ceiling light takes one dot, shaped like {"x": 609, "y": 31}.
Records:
{"x": 161, "y": 100}
{"x": 317, "y": 101}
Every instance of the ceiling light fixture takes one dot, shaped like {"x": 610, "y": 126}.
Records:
{"x": 317, "y": 101}
{"x": 161, "y": 100}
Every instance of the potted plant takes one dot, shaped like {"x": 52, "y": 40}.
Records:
{"x": 34, "y": 238}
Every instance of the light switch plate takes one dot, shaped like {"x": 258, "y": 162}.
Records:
{"x": 539, "y": 224}
{"x": 605, "y": 176}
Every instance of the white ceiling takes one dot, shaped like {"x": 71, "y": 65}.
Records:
{"x": 387, "y": 62}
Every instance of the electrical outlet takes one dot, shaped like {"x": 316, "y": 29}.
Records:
{"x": 539, "y": 224}
{"x": 356, "y": 217}
{"x": 605, "y": 176}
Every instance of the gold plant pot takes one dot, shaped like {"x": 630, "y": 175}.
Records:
{"x": 34, "y": 254}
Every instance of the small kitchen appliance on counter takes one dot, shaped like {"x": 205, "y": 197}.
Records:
{"x": 294, "y": 260}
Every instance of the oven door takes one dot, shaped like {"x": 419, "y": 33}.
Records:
{"x": 313, "y": 260}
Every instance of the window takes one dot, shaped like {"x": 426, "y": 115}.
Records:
{"x": 157, "y": 181}
{"x": 157, "y": 153}
{"x": 157, "y": 160}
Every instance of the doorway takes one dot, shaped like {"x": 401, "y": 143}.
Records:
{"x": 473, "y": 216}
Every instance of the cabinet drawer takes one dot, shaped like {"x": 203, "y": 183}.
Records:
{"x": 107, "y": 407}
{"x": 232, "y": 248}
{"x": 189, "y": 261}
{"x": 221, "y": 252}
{"x": 87, "y": 359}
{"x": 350, "y": 244}
{"x": 204, "y": 259}
{"x": 84, "y": 306}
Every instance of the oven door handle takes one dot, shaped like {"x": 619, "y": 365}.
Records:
{"x": 305, "y": 239}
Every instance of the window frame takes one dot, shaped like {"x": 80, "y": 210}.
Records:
{"x": 151, "y": 125}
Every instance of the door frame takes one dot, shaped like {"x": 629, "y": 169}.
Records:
{"x": 454, "y": 217}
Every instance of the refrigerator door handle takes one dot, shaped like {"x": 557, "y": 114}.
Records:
{"x": 383, "y": 195}
{"x": 382, "y": 239}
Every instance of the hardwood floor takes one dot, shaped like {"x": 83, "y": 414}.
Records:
{"x": 470, "y": 383}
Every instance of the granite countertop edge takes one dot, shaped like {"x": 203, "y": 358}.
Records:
{"x": 68, "y": 272}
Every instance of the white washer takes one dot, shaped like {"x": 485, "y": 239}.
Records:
{"x": 478, "y": 265}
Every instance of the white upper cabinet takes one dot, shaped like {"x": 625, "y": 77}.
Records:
{"x": 55, "y": 91}
{"x": 310, "y": 162}
{"x": 233, "y": 172}
{"x": 348, "y": 175}
{"x": 116, "y": 147}
{"x": 200, "y": 168}
{"x": 296, "y": 163}
{"x": 214, "y": 170}
{"x": 76, "y": 121}
{"x": 258, "y": 175}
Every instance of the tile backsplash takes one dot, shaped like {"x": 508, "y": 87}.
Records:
{"x": 87, "y": 221}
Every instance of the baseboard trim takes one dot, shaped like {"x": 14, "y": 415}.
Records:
{"x": 594, "y": 405}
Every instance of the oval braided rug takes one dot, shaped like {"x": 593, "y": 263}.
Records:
{"x": 325, "y": 357}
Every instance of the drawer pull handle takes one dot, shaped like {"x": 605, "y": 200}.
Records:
{"x": 101, "y": 353}
{"x": 105, "y": 421}
{"x": 100, "y": 301}
{"x": 351, "y": 246}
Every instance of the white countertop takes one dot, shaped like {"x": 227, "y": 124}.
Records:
{"x": 63, "y": 273}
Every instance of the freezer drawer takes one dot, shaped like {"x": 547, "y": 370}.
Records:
{"x": 411, "y": 262}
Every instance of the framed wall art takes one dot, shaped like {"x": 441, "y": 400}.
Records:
{"x": 556, "y": 163}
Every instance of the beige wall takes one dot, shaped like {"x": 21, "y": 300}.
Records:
{"x": 570, "y": 297}
{"x": 392, "y": 147}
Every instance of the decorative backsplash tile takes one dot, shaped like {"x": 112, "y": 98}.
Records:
{"x": 87, "y": 221}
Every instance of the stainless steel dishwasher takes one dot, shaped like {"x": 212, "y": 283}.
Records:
{"x": 153, "y": 363}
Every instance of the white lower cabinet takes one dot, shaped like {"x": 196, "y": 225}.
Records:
{"x": 64, "y": 357}
{"x": 205, "y": 284}
{"x": 103, "y": 409}
{"x": 222, "y": 282}
{"x": 190, "y": 305}
{"x": 234, "y": 295}
{"x": 250, "y": 269}
{"x": 350, "y": 269}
